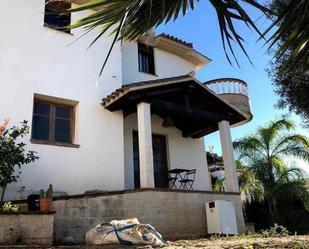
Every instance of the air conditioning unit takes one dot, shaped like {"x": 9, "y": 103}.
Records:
{"x": 221, "y": 217}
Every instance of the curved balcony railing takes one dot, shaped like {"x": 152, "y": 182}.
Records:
{"x": 228, "y": 86}
{"x": 233, "y": 91}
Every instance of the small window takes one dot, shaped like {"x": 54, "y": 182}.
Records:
{"x": 145, "y": 59}
{"x": 54, "y": 16}
{"x": 52, "y": 122}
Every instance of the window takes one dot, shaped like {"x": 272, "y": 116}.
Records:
{"x": 145, "y": 59}
{"x": 54, "y": 16}
{"x": 52, "y": 122}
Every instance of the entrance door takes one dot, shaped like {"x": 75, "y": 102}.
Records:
{"x": 159, "y": 161}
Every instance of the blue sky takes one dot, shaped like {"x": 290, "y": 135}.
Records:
{"x": 201, "y": 28}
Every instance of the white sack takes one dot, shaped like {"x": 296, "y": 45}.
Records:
{"x": 126, "y": 232}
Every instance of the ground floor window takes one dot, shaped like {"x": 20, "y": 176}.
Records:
{"x": 53, "y": 121}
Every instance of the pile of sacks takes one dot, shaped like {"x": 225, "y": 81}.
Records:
{"x": 125, "y": 232}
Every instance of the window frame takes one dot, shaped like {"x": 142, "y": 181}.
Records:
{"x": 52, "y": 123}
{"x": 147, "y": 50}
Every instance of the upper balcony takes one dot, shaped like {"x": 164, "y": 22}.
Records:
{"x": 233, "y": 91}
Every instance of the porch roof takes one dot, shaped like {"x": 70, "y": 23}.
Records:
{"x": 182, "y": 102}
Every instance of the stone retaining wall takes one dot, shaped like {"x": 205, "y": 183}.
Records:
{"x": 26, "y": 228}
{"x": 175, "y": 214}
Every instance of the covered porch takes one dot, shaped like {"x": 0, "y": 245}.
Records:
{"x": 165, "y": 121}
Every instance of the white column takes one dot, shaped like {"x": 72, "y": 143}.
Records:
{"x": 145, "y": 145}
{"x": 228, "y": 157}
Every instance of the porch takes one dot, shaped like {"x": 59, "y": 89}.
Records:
{"x": 164, "y": 124}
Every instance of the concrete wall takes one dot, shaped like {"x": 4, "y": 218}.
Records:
{"x": 33, "y": 229}
{"x": 183, "y": 153}
{"x": 176, "y": 215}
{"x": 37, "y": 59}
{"x": 166, "y": 65}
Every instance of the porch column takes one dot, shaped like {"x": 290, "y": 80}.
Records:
{"x": 228, "y": 157}
{"x": 145, "y": 145}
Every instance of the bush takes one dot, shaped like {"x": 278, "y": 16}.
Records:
{"x": 13, "y": 154}
{"x": 275, "y": 231}
{"x": 301, "y": 246}
{"x": 290, "y": 214}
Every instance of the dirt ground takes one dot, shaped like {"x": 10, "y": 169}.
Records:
{"x": 293, "y": 242}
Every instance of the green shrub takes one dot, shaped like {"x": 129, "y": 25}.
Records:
{"x": 275, "y": 231}
{"x": 13, "y": 154}
{"x": 248, "y": 247}
{"x": 301, "y": 246}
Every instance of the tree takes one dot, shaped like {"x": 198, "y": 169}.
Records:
{"x": 292, "y": 86}
{"x": 249, "y": 182}
{"x": 264, "y": 154}
{"x": 290, "y": 78}
{"x": 130, "y": 19}
{"x": 13, "y": 154}
{"x": 291, "y": 20}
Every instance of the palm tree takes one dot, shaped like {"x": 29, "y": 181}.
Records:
{"x": 130, "y": 19}
{"x": 249, "y": 184}
{"x": 264, "y": 153}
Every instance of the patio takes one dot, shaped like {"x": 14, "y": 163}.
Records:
{"x": 164, "y": 117}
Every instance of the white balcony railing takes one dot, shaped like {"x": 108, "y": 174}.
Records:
{"x": 228, "y": 86}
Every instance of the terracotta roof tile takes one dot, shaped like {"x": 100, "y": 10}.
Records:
{"x": 173, "y": 38}
{"x": 125, "y": 88}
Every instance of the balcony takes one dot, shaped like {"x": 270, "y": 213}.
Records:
{"x": 234, "y": 92}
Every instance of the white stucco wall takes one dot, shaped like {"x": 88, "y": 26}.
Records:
{"x": 36, "y": 59}
{"x": 166, "y": 65}
{"x": 183, "y": 153}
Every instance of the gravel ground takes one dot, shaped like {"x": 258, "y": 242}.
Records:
{"x": 293, "y": 242}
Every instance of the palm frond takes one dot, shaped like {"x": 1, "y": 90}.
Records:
{"x": 219, "y": 185}
{"x": 290, "y": 141}
{"x": 295, "y": 150}
{"x": 249, "y": 182}
{"x": 291, "y": 26}
{"x": 278, "y": 165}
{"x": 249, "y": 146}
{"x": 142, "y": 15}
{"x": 271, "y": 131}
{"x": 289, "y": 175}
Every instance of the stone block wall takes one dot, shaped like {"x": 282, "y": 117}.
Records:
{"x": 175, "y": 214}
{"x": 26, "y": 228}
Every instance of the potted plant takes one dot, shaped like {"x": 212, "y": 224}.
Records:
{"x": 46, "y": 199}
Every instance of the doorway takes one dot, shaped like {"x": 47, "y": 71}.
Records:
{"x": 160, "y": 167}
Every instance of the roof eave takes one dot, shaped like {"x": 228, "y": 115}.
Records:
{"x": 186, "y": 52}
{"x": 186, "y": 78}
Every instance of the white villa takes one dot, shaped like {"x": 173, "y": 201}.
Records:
{"x": 147, "y": 113}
